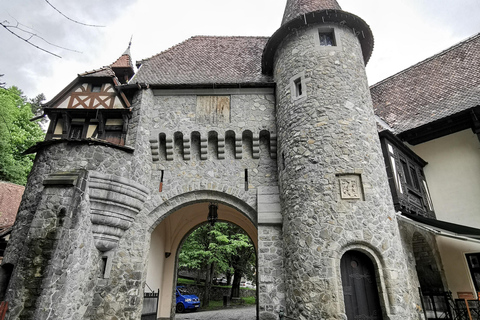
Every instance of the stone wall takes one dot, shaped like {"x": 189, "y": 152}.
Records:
{"x": 108, "y": 259}
{"x": 216, "y": 158}
{"x": 333, "y": 183}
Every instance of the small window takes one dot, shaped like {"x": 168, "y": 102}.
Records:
{"x": 298, "y": 87}
{"x": 96, "y": 88}
{"x": 327, "y": 38}
{"x": 76, "y": 131}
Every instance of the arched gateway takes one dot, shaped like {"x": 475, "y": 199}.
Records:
{"x": 174, "y": 227}
{"x": 279, "y": 131}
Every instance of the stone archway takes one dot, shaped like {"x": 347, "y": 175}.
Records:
{"x": 170, "y": 229}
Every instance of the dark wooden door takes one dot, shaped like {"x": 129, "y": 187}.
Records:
{"x": 360, "y": 287}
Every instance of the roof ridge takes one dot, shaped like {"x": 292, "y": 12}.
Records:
{"x": 443, "y": 52}
{"x": 94, "y": 71}
{"x": 193, "y": 37}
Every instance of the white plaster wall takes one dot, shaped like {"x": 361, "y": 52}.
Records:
{"x": 455, "y": 265}
{"x": 453, "y": 176}
{"x": 156, "y": 259}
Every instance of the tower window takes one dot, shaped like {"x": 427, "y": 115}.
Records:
{"x": 298, "y": 87}
{"x": 327, "y": 38}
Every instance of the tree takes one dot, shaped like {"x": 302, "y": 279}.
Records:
{"x": 37, "y": 110}
{"x": 223, "y": 248}
{"x": 239, "y": 254}
{"x": 17, "y": 134}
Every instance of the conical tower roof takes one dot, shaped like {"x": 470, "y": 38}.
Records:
{"x": 301, "y": 13}
{"x": 295, "y": 8}
{"x": 123, "y": 66}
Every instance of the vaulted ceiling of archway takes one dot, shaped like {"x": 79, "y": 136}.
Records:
{"x": 177, "y": 225}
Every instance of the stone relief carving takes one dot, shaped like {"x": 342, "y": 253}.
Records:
{"x": 350, "y": 187}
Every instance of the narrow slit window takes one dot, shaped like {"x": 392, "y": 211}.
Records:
{"x": 246, "y": 179}
{"x": 298, "y": 87}
{"x": 103, "y": 266}
{"x": 160, "y": 188}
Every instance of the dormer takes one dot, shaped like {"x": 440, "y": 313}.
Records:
{"x": 91, "y": 107}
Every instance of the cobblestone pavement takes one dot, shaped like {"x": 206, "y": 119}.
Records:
{"x": 243, "y": 313}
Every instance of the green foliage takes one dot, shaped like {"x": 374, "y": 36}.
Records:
{"x": 17, "y": 134}
{"x": 224, "y": 245}
{"x": 249, "y": 300}
{"x": 182, "y": 281}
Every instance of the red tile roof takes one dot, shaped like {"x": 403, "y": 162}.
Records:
{"x": 10, "y": 198}
{"x": 294, "y": 8}
{"x": 435, "y": 88}
{"x": 206, "y": 60}
{"x": 123, "y": 62}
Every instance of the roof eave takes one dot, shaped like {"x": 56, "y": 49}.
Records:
{"x": 212, "y": 85}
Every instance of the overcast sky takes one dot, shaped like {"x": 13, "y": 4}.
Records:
{"x": 405, "y": 31}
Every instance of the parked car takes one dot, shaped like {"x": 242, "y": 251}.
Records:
{"x": 186, "y": 301}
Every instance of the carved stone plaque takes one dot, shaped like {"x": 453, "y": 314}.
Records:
{"x": 350, "y": 187}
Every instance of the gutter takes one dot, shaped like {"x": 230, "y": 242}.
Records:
{"x": 437, "y": 231}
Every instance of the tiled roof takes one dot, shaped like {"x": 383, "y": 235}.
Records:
{"x": 102, "y": 72}
{"x": 440, "y": 86}
{"x": 10, "y": 198}
{"x": 123, "y": 62}
{"x": 206, "y": 60}
{"x": 294, "y": 8}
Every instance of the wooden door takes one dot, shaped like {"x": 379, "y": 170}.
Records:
{"x": 360, "y": 287}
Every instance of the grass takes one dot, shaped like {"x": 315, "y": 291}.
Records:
{"x": 185, "y": 281}
{"x": 249, "y": 300}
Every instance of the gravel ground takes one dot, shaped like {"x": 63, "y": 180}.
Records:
{"x": 240, "y": 313}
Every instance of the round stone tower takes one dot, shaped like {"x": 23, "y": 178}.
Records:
{"x": 340, "y": 232}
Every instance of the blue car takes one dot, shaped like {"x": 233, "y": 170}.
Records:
{"x": 186, "y": 301}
